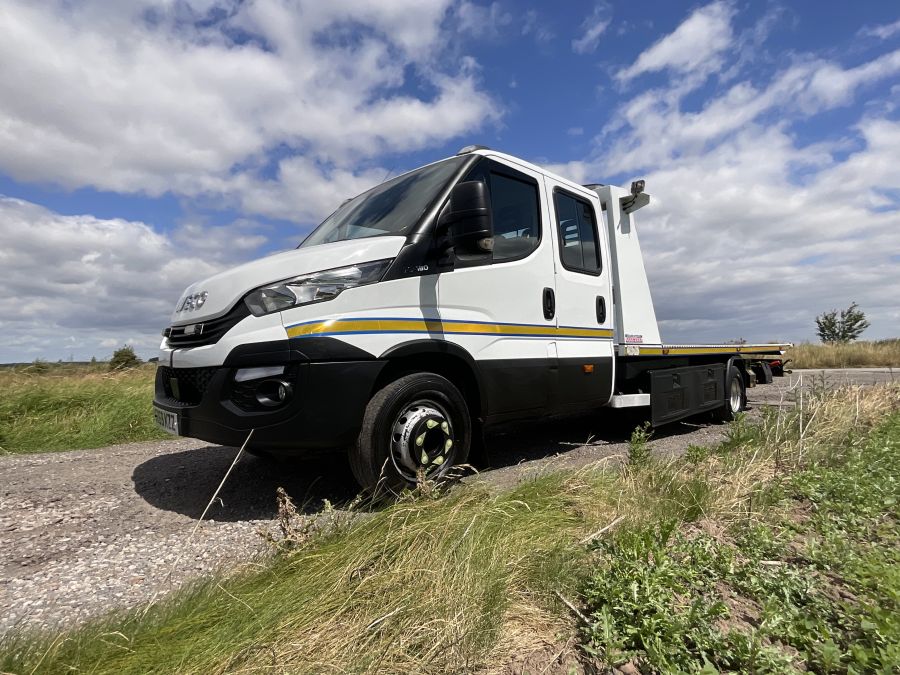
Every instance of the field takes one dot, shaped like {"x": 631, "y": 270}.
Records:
{"x": 882, "y": 353}
{"x": 774, "y": 550}
{"x": 68, "y": 407}
{"x": 51, "y": 407}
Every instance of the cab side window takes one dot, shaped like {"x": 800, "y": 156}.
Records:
{"x": 579, "y": 243}
{"x": 515, "y": 206}
{"x": 516, "y": 226}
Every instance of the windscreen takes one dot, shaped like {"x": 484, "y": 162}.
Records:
{"x": 391, "y": 208}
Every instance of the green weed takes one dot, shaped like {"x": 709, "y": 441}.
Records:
{"x": 639, "y": 445}
{"x": 813, "y": 584}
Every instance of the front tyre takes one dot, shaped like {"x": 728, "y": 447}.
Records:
{"x": 416, "y": 425}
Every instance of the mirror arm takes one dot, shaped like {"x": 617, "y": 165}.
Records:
{"x": 443, "y": 243}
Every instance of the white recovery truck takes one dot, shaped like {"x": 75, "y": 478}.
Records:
{"x": 474, "y": 290}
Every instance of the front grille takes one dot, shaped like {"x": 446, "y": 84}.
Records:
{"x": 186, "y": 385}
{"x": 206, "y": 332}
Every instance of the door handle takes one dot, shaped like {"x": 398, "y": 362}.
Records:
{"x": 601, "y": 309}
{"x": 549, "y": 304}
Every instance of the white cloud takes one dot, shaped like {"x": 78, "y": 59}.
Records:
{"x": 592, "y": 28}
{"x": 651, "y": 129}
{"x": 481, "y": 20}
{"x": 737, "y": 246}
{"x": 536, "y": 26}
{"x": 694, "y": 47}
{"x": 304, "y": 191}
{"x": 832, "y": 85}
{"x": 753, "y": 232}
{"x": 147, "y": 98}
{"x": 80, "y": 284}
{"x": 882, "y": 32}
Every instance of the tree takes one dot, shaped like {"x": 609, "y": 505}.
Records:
{"x": 830, "y": 327}
{"x": 124, "y": 358}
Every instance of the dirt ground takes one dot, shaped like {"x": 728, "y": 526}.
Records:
{"x": 84, "y": 531}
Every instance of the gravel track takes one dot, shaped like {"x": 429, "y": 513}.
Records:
{"x": 85, "y": 531}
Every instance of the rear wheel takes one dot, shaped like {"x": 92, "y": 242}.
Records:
{"x": 735, "y": 396}
{"x": 417, "y": 425}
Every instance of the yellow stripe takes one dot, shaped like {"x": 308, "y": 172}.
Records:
{"x": 437, "y": 326}
{"x": 687, "y": 351}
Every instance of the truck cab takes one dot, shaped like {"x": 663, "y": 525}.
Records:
{"x": 477, "y": 289}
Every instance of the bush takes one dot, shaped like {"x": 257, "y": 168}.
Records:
{"x": 834, "y": 329}
{"x": 124, "y": 358}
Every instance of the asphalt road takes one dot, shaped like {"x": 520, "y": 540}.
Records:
{"x": 84, "y": 531}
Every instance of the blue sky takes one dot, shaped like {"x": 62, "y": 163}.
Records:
{"x": 144, "y": 145}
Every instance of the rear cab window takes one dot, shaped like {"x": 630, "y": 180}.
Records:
{"x": 579, "y": 238}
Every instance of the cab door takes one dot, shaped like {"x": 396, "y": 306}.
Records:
{"x": 584, "y": 311}
{"x": 497, "y": 310}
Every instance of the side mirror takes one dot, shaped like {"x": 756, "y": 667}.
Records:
{"x": 467, "y": 219}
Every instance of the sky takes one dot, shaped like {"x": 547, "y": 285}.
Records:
{"x": 148, "y": 144}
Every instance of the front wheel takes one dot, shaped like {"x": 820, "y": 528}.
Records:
{"x": 735, "y": 396}
{"x": 417, "y": 425}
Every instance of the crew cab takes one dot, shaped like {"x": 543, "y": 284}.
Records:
{"x": 474, "y": 290}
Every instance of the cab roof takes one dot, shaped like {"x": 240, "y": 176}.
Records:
{"x": 485, "y": 151}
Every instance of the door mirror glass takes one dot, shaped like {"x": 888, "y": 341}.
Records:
{"x": 467, "y": 219}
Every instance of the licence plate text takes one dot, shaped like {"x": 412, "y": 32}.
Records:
{"x": 165, "y": 420}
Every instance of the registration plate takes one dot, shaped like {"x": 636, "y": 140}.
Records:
{"x": 165, "y": 420}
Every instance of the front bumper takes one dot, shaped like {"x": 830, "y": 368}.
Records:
{"x": 324, "y": 412}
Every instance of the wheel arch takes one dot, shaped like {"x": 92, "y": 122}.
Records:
{"x": 741, "y": 364}
{"x": 436, "y": 356}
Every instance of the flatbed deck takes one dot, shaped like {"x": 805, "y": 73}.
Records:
{"x": 699, "y": 350}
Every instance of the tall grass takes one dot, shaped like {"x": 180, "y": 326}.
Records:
{"x": 463, "y": 581}
{"x": 61, "y": 407}
{"x": 882, "y": 353}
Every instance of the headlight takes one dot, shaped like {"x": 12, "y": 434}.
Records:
{"x": 314, "y": 287}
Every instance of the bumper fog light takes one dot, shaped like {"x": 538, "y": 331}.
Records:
{"x": 273, "y": 393}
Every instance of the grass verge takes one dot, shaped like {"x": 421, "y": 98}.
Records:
{"x": 469, "y": 580}
{"x": 809, "y": 582}
{"x": 67, "y": 408}
{"x": 880, "y": 353}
